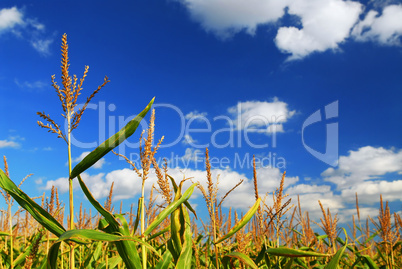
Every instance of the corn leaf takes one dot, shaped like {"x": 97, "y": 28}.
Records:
{"x": 246, "y": 218}
{"x": 170, "y": 208}
{"x": 334, "y": 262}
{"x": 106, "y": 214}
{"x": 87, "y": 236}
{"x": 37, "y": 212}
{"x": 138, "y": 217}
{"x": 290, "y": 252}
{"x": 52, "y": 255}
{"x": 165, "y": 261}
{"x": 112, "y": 263}
{"x": 186, "y": 202}
{"x": 177, "y": 226}
{"x": 370, "y": 263}
{"x": 155, "y": 235}
{"x": 185, "y": 257}
{"x": 110, "y": 143}
{"x": 92, "y": 255}
{"x": 240, "y": 256}
{"x": 128, "y": 252}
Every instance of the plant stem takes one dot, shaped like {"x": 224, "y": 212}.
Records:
{"x": 71, "y": 201}
{"x": 214, "y": 233}
{"x": 143, "y": 249}
{"x": 10, "y": 219}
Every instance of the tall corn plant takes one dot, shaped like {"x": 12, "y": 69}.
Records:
{"x": 68, "y": 96}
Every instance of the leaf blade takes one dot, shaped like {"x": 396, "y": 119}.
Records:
{"x": 110, "y": 143}
{"x": 246, "y": 218}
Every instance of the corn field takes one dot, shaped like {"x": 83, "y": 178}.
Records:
{"x": 170, "y": 234}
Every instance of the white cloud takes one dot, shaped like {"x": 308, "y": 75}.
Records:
{"x": 61, "y": 183}
{"x": 14, "y": 20}
{"x": 42, "y": 45}
{"x": 365, "y": 164}
{"x": 188, "y": 140}
{"x": 369, "y": 192}
{"x": 9, "y": 144}
{"x": 31, "y": 85}
{"x": 9, "y": 18}
{"x": 345, "y": 215}
{"x": 193, "y": 155}
{"x": 99, "y": 164}
{"x": 196, "y": 115}
{"x": 228, "y": 17}
{"x": 257, "y": 116}
{"x": 385, "y": 28}
{"x": 304, "y": 188}
{"x": 325, "y": 24}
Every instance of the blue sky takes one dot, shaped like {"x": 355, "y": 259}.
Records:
{"x": 312, "y": 87}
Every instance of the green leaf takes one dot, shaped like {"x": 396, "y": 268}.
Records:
{"x": 290, "y": 252}
{"x": 186, "y": 202}
{"x": 177, "y": 226}
{"x": 334, "y": 262}
{"x": 87, "y": 236}
{"x": 159, "y": 233}
{"x": 371, "y": 264}
{"x": 240, "y": 256}
{"x": 185, "y": 257}
{"x": 110, "y": 143}
{"x": 106, "y": 214}
{"x": 92, "y": 255}
{"x": 128, "y": 252}
{"x": 169, "y": 209}
{"x": 37, "y": 212}
{"x": 52, "y": 255}
{"x": 138, "y": 217}
{"x": 112, "y": 262}
{"x": 165, "y": 261}
{"x": 127, "y": 249}
{"x": 246, "y": 218}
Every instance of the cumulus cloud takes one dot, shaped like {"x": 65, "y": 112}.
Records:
{"x": 14, "y": 20}
{"x": 257, "y": 116}
{"x": 42, "y": 45}
{"x": 366, "y": 163}
{"x": 370, "y": 191}
{"x": 9, "y": 144}
{"x": 188, "y": 140}
{"x": 193, "y": 155}
{"x": 9, "y": 18}
{"x": 323, "y": 24}
{"x": 385, "y": 28}
{"x": 99, "y": 164}
{"x": 228, "y": 17}
{"x": 195, "y": 115}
